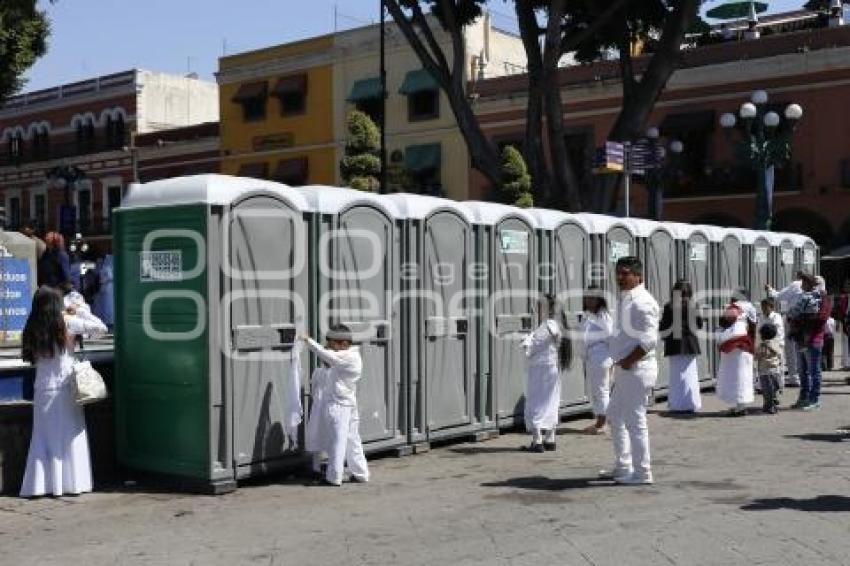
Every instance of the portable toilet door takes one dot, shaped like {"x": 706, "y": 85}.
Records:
{"x": 786, "y": 264}
{"x": 810, "y": 256}
{"x": 513, "y": 292}
{"x": 698, "y": 271}
{"x": 265, "y": 301}
{"x": 730, "y": 266}
{"x": 760, "y": 267}
{"x": 614, "y": 239}
{"x": 445, "y": 399}
{"x": 566, "y": 247}
{"x": 203, "y": 333}
{"x": 355, "y": 281}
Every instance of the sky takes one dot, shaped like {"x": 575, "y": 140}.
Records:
{"x": 98, "y": 37}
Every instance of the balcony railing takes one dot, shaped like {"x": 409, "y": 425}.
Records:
{"x": 731, "y": 180}
{"x": 58, "y": 150}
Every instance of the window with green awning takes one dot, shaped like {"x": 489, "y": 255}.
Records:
{"x": 418, "y": 81}
{"x": 365, "y": 89}
{"x": 418, "y": 158}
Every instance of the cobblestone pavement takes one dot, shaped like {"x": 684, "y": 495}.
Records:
{"x": 756, "y": 490}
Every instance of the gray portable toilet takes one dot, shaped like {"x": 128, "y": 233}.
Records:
{"x": 809, "y": 254}
{"x": 757, "y": 254}
{"x": 730, "y": 259}
{"x": 447, "y": 396}
{"x": 611, "y": 239}
{"x": 355, "y": 278}
{"x": 696, "y": 266}
{"x": 211, "y": 273}
{"x": 657, "y": 248}
{"x": 506, "y": 251}
{"x": 784, "y": 261}
{"x": 711, "y": 295}
{"x": 564, "y": 256}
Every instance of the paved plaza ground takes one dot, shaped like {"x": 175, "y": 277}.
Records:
{"x": 761, "y": 489}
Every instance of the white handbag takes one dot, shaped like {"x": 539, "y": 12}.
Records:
{"x": 88, "y": 383}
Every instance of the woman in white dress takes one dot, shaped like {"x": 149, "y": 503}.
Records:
{"x": 679, "y": 325}
{"x": 58, "y": 461}
{"x": 737, "y": 345}
{"x": 596, "y": 327}
{"x": 548, "y": 352}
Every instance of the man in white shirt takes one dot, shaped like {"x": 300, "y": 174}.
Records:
{"x": 632, "y": 347}
{"x": 785, "y": 299}
{"x": 345, "y": 368}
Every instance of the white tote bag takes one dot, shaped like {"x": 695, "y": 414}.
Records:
{"x": 88, "y": 383}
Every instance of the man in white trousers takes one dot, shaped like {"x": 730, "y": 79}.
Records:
{"x": 784, "y": 300}
{"x": 632, "y": 347}
{"x": 342, "y": 424}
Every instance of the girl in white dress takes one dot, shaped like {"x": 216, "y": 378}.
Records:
{"x": 58, "y": 461}
{"x": 596, "y": 327}
{"x": 548, "y": 352}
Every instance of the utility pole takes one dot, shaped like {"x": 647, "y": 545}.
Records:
{"x": 383, "y": 63}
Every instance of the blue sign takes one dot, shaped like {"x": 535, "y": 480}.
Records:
{"x": 15, "y": 297}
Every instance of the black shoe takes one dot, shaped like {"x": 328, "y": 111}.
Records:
{"x": 326, "y": 483}
{"x": 549, "y": 446}
{"x": 536, "y": 448}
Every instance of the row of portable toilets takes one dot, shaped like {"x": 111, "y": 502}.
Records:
{"x": 216, "y": 275}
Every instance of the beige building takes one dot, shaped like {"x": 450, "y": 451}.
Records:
{"x": 426, "y": 152}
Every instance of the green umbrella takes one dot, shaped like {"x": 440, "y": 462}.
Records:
{"x": 734, "y": 10}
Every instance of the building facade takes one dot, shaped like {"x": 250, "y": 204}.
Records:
{"x": 284, "y": 109}
{"x": 709, "y": 183}
{"x": 67, "y": 153}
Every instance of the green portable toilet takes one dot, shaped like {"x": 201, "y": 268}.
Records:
{"x": 210, "y": 285}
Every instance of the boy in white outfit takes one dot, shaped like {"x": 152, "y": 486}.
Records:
{"x": 342, "y": 420}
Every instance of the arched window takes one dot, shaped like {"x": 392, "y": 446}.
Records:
{"x": 16, "y": 147}
{"x": 115, "y": 131}
{"x": 85, "y": 135}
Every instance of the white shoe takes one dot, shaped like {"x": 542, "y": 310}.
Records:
{"x": 616, "y": 474}
{"x": 635, "y": 479}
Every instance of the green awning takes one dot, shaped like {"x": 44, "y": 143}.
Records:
{"x": 418, "y": 81}
{"x": 365, "y": 89}
{"x": 419, "y": 158}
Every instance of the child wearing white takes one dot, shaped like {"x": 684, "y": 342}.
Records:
{"x": 548, "y": 354}
{"x": 341, "y": 418}
{"x": 596, "y": 327}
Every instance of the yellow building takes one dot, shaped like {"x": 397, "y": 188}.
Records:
{"x": 284, "y": 108}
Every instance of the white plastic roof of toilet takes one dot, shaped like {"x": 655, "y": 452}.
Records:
{"x": 333, "y": 200}
{"x": 418, "y": 207}
{"x": 550, "y": 219}
{"x": 211, "y": 189}
{"x": 491, "y": 213}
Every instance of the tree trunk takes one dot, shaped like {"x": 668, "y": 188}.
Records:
{"x": 452, "y": 79}
{"x": 533, "y": 144}
{"x": 566, "y": 183}
{"x": 644, "y": 93}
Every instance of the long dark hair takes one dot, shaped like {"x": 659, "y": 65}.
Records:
{"x": 44, "y": 333}
{"x": 565, "y": 347}
{"x": 595, "y": 292}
